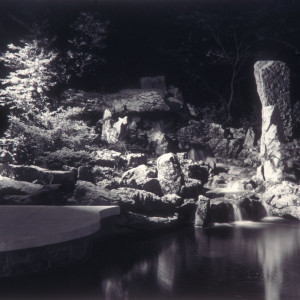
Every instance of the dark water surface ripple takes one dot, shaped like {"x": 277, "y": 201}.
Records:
{"x": 245, "y": 261}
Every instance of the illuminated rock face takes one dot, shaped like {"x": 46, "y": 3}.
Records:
{"x": 273, "y": 87}
{"x": 272, "y": 139}
{"x": 169, "y": 174}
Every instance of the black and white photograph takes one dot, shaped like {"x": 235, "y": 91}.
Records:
{"x": 149, "y": 149}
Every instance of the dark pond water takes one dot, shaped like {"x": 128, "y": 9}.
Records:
{"x": 247, "y": 261}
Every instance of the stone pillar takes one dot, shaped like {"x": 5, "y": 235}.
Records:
{"x": 273, "y": 87}
{"x": 272, "y": 80}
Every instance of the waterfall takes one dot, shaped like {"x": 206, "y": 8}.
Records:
{"x": 158, "y": 125}
{"x": 237, "y": 213}
{"x": 234, "y": 186}
{"x": 198, "y": 152}
{"x": 266, "y": 208}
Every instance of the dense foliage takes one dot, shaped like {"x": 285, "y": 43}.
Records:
{"x": 37, "y": 124}
{"x": 29, "y": 80}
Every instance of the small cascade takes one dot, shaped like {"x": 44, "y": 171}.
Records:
{"x": 234, "y": 186}
{"x": 266, "y": 208}
{"x": 158, "y": 125}
{"x": 237, "y": 213}
{"x": 197, "y": 153}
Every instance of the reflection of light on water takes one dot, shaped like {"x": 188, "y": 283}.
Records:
{"x": 166, "y": 267}
{"x": 113, "y": 288}
{"x": 248, "y": 224}
{"x": 116, "y": 288}
{"x": 271, "y": 244}
{"x": 248, "y": 247}
{"x": 272, "y": 219}
{"x": 273, "y": 249}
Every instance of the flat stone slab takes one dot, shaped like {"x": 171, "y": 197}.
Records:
{"x": 24, "y": 227}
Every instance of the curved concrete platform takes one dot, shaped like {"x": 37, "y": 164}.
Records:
{"x": 39, "y": 238}
{"x": 23, "y": 227}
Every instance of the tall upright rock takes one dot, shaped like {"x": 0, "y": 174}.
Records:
{"x": 273, "y": 86}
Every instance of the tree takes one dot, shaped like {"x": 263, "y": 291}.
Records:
{"x": 84, "y": 49}
{"x": 216, "y": 52}
{"x": 213, "y": 51}
{"x": 30, "y": 78}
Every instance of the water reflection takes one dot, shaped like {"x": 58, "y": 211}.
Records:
{"x": 226, "y": 263}
{"x": 168, "y": 260}
{"x": 274, "y": 248}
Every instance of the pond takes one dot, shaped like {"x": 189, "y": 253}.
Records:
{"x": 244, "y": 260}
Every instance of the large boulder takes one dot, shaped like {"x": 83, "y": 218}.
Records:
{"x": 142, "y": 177}
{"x": 170, "y": 175}
{"x": 195, "y": 170}
{"x": 145, "y": 202}
{"x": 283, "y": 199}
{"x": 87, "y": 193}
{"x": 252, "y": 208}
{"x": 43, "y": 176}
{"x": 25, "y": 193}
{"x": 191, "y": 188}
{"x": 129, "y": 199}
{"x": 112, "y": 131}
{"x": 10, "y": 186}
{"x": 107, "y": 158}
{"x": 220, "y": 211}
{"x": 273, "y": 86}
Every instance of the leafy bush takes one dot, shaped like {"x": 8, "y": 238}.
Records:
{"x": 68, "y": 131}
{"x": 59, "y": 130}
{"x": 28, "y": 141}
{"x": 57, "y": 159}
